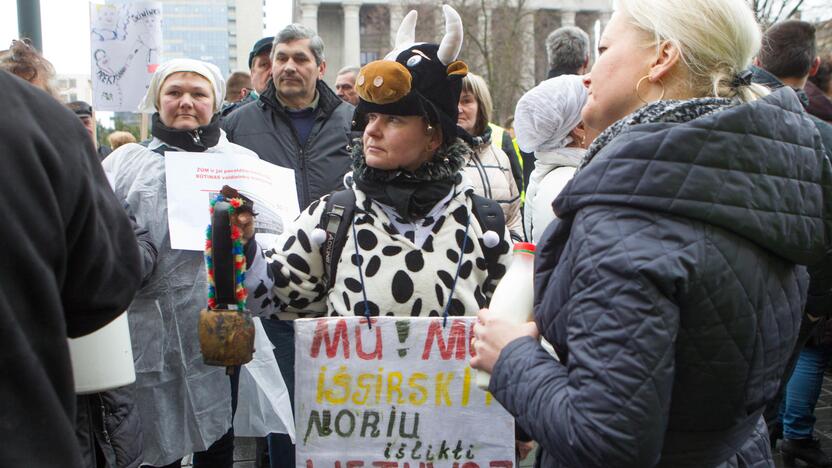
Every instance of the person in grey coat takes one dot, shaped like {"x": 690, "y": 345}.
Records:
{"x": 671, "y": 286}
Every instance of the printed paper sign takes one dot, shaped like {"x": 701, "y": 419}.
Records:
{"x": 125, "y": 41}
{"x": 399, "y": 394}
{"x": 194, "y": 179}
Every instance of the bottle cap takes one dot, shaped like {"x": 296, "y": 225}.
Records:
{"x": 524, "y": 247}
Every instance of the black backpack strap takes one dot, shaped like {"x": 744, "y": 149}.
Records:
{"x": 489, "y": 214}
{"x": 491, "y": 218}
{"x": 335, "y": 220}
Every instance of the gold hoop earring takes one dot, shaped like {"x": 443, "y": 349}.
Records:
{"x": 638, "y": 85}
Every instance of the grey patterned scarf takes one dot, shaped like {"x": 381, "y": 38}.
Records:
{"x": 672, "y": 111}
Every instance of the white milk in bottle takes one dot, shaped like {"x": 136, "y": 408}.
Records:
{"x": 513, "y": 300}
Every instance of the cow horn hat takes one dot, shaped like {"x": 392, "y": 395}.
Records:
{"x": 416, "y": 78}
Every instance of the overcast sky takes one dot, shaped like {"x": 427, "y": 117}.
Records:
{"x": 65, "y": 27}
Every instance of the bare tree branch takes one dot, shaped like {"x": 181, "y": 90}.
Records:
{"x": 771, "y": 11}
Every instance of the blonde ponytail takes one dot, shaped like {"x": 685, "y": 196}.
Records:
{"x": 717, "y": 40}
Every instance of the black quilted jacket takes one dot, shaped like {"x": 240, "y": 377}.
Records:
{"x": 671, "y": 292}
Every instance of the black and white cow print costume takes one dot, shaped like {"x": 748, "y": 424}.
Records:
{"x": 402, "y": 277}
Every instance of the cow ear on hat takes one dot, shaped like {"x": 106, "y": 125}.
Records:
{"x": 457, "y": 68}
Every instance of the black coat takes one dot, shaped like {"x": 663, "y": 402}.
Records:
{"x": 320, "y": 163}
{"x": 109, "y": 429}
{"x": 671, "y": 291}
{"x": 69, "y": 265}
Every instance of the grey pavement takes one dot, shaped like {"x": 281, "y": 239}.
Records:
{"x": 823, "y": 425}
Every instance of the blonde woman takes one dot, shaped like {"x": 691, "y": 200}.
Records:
{"x": 671, "y": 286}
{"x": 487, "y": 168}
{"x": 120, "y": 138}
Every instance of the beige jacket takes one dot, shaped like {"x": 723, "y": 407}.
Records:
{"x": 488, "y": 170}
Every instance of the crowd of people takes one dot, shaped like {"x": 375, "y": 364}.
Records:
{"x": 678, "y": 190}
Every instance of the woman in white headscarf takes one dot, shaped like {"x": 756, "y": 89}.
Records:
{"x": 185, "y": 405}
{"x": 548, "y": 123}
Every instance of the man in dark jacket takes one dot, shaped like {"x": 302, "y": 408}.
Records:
{"x": 788, "y": 58}
{"x": 69, "y": 267}
{"x": 87, "y": 116}
{"x": 567, "y": 51}
{"x": 298, "y": 123}
{"x": 260, "y": 69}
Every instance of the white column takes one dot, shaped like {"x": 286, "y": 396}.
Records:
{"x": 309, "y": 14}
{"x": 396, "y": 8}
{"x": 352, "y": 33}
{"x": 567, "y": 18}
{"x": 604, "y": 16}
{"x": 527, "y": 76}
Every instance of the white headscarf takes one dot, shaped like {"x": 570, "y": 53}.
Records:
{"x": 548, "y": 112}
{"x": 208, "y": 70}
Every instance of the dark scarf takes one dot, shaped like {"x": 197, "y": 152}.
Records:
{"x": 411, "y": 194}
{"x": 196, "y": 140}
{"x": 671, "y": 111}
{"x": 475, "y": 141}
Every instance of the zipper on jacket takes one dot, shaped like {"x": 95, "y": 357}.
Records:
{"x": 304, "y": 178}
{"x": 319, "y": 119}
{"x": 103, "y": 419}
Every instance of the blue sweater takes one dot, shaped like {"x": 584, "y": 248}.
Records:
{"x": 302, "y": 120}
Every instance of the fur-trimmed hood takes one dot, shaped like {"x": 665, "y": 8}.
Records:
{"x": 446, "y": 163}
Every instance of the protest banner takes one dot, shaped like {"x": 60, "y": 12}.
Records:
{"x": 399, "y": 394}
{"x": 193, "y": 179}
{"x": 125, "y": 44}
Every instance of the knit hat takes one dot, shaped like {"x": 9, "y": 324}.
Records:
{"x": 207, "y": 70}
{"x": 547, "y": 114}
{"x": 421, "y": 78}
{"x": 263, "y": 45}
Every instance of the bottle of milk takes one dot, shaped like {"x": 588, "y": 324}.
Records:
{"x": 513, "y": 300}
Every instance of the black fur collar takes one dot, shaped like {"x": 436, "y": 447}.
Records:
{"x": 445, "y": 164}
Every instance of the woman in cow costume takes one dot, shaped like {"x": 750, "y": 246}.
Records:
{"x": 413, "y": 243}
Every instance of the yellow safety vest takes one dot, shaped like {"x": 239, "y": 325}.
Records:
{"x": 497, "y": 133}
